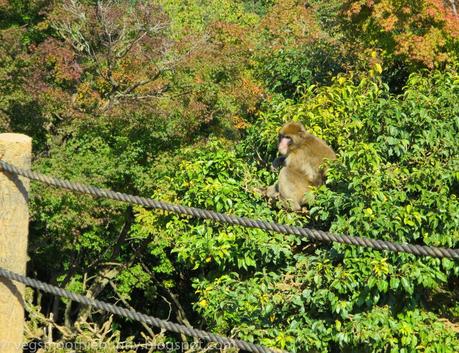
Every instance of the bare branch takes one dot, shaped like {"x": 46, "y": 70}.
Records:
{"x": 453, "y": 6}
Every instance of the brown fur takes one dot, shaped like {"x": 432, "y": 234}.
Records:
{"x": 302, "y": 170}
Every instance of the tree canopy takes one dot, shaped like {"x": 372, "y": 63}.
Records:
{"x": 182, "y": 101}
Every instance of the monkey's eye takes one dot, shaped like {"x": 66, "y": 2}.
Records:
{"x": 288, "y": 138}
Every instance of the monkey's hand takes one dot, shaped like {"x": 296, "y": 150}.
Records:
{"x": 303, "y": 211}
{"x": 278, "y": 162}
{"x": 272, "y": 192}
{"x": 259, "y": 192}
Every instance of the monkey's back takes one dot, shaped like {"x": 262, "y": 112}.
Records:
{"x": 317, "y": 148}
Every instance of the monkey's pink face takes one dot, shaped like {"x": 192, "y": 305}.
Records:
{"x": 284, "y": 143}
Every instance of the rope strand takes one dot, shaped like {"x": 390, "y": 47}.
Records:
{"x": 313, "y": 234}
{"x": 135, "y": 315}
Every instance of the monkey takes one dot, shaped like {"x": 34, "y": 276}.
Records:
{"x": 302, "y": 155}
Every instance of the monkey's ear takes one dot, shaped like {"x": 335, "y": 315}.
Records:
{"x": 303, "y": 129}
{"x": 303, "y": 132}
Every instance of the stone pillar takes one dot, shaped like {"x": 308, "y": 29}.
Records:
{"x": 15, "y": 149}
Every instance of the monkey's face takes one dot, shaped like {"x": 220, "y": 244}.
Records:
{"x": 290, "y": 136}
{"x": 284, "y": 144}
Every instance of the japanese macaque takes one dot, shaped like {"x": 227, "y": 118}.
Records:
{"x": 303, "y": 155}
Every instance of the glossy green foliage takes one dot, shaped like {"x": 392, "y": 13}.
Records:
{"x": 217, "y": 179}
{"x": 283, "y": 291}
{"x": 287, "y": 71}
{"x": 395, "y": 179}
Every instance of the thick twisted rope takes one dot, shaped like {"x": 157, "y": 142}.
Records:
{"x": 135, "y": 315}
{"x": 314, "y": 234}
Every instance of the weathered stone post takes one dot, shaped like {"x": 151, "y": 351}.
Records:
{"x": 15, "y": 149}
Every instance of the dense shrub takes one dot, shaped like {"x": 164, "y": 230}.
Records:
{"x": 395, "y": 179}
{"x": 287, "y": 71}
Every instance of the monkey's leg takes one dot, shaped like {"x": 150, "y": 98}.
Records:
{"x": 291, "y": 205}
